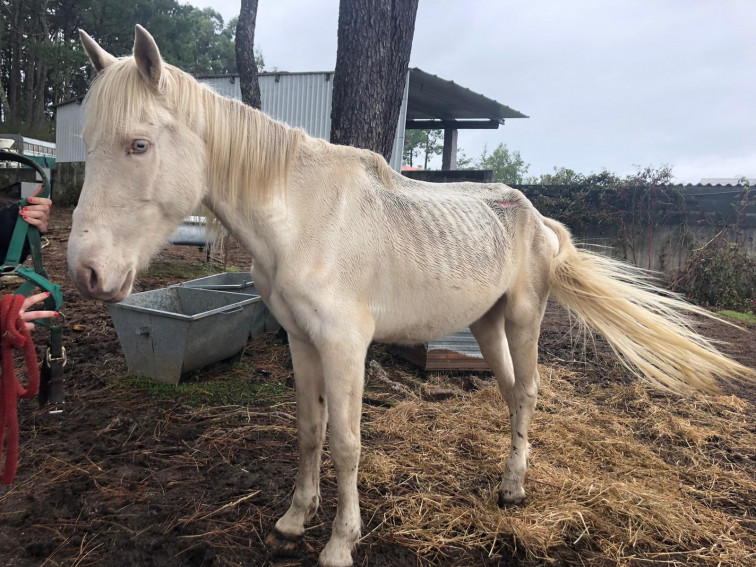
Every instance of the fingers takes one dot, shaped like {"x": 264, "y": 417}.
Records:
{"x": 37, "y": 214}
{"x": 31, "y": 316}
{"x": 40, "y": 202}
{"x": 34, "y": 315}
{"x": 34, "y": 299}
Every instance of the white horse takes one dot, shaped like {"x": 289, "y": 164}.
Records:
{"x": 347, "y": 252}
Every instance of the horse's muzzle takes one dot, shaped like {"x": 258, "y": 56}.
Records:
{"x": 92, "y": 285}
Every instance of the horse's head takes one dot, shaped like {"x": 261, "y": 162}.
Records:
{"x": 145, "y": 166}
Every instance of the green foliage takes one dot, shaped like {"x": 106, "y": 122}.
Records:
{"x": 720, "y": 273}
{"x": 42, "y": 131}
{"x": 633, "y": 204}
{"x": 42, "y": 62}
{"x": 463, "y": 160}
{"x": 194, "y": 39}
{"x": 508, "y": 166}
{"x": 425, "y": 143}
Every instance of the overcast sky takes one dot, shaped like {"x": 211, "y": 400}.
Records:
{"x": 606, "y": 84}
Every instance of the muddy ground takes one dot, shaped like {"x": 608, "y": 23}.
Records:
{"x": 128, "y": 475}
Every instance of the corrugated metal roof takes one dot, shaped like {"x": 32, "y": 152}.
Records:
{"x": 727, "y": 181}
{"x": 431, "y": 97}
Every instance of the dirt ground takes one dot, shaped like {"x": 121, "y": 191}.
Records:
{"x": 130, "y": 477}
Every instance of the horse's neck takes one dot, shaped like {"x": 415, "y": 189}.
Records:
{"x": 248, "y": 153}
{"x": 314, "y": 179}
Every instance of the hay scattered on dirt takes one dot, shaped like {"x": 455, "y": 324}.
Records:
{"x": 622, "y": 474}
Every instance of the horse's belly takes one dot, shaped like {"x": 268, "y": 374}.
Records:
{"x": 432, "y": 314}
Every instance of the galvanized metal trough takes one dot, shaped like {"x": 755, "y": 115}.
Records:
{"x": 168, "y": 332}
{"x": 192, "y": 232}
{"x": 262, "y": 320}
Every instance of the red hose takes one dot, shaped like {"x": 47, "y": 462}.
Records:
{"x": 13, "y": 335}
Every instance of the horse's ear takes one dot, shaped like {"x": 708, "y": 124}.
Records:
{"x": 147, "y": 56}
{"x": 97, "y": 55}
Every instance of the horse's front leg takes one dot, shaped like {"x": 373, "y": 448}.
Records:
{"x": 344, "y": 370}
{"x": 312, "y": 416}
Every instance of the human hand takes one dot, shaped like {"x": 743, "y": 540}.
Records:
{"x": 37, "y": 213}
{"x": 30, "y": 316}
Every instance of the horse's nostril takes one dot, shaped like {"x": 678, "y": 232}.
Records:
{"x": 92, "y": 279}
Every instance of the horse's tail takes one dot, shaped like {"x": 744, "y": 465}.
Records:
{"x": 648, "y": 327}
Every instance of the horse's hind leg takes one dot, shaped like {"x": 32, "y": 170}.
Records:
{"x": 312, "y": 415}
{"x": 508, "y": 339}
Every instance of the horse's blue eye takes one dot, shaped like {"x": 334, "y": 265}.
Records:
{"x": 140, "y": 146}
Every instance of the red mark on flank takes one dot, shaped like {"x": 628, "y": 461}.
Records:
{"x": 506, "y": 204}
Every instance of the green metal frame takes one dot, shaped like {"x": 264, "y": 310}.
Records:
{"x": 51, "y": 388}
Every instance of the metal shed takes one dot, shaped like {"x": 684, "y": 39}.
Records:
{"x": 304, "y": 100}
{"x": 301, "y": 100}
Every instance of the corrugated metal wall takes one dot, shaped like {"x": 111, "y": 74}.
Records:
{"x": 69, "y": 122}
{"x": 398, "y": 150}
{"x": 301, "y": 100}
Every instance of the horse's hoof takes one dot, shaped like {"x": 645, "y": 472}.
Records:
{"x": 510, "y": 500}
{"x": 280, "y": 544}
{"x": 350, "y": 564}
{"x": 336, "y": 556}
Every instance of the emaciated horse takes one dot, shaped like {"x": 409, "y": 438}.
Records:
{"x": 347, "y": 252}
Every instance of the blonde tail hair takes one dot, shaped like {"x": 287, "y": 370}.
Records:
{"x": 648, "y": 327}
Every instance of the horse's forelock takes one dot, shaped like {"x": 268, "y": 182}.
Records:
{"x": 119, "y": 97}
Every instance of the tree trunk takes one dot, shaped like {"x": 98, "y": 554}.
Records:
{"x": 374, "y": 44}
{"x": 14, "y": 82}
{"x": 28, "y": 90}
{"x": 245, "y": 54}
{"x": 4, "y": 106}
{"x": 37, "y": 101}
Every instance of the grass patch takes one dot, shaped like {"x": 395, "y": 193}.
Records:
{"x": 746, "y": 317}
{"x": 181, "y": 269}
{"x": 236, "y": 389}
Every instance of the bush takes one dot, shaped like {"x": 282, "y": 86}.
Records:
{"x": 720, "y": 275}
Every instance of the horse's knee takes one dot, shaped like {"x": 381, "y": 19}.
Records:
{"x": 345, "y": 451}
{"x": 311, "y": 436}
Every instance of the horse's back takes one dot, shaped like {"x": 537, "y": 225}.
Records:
{"x": 449, "y": 253}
